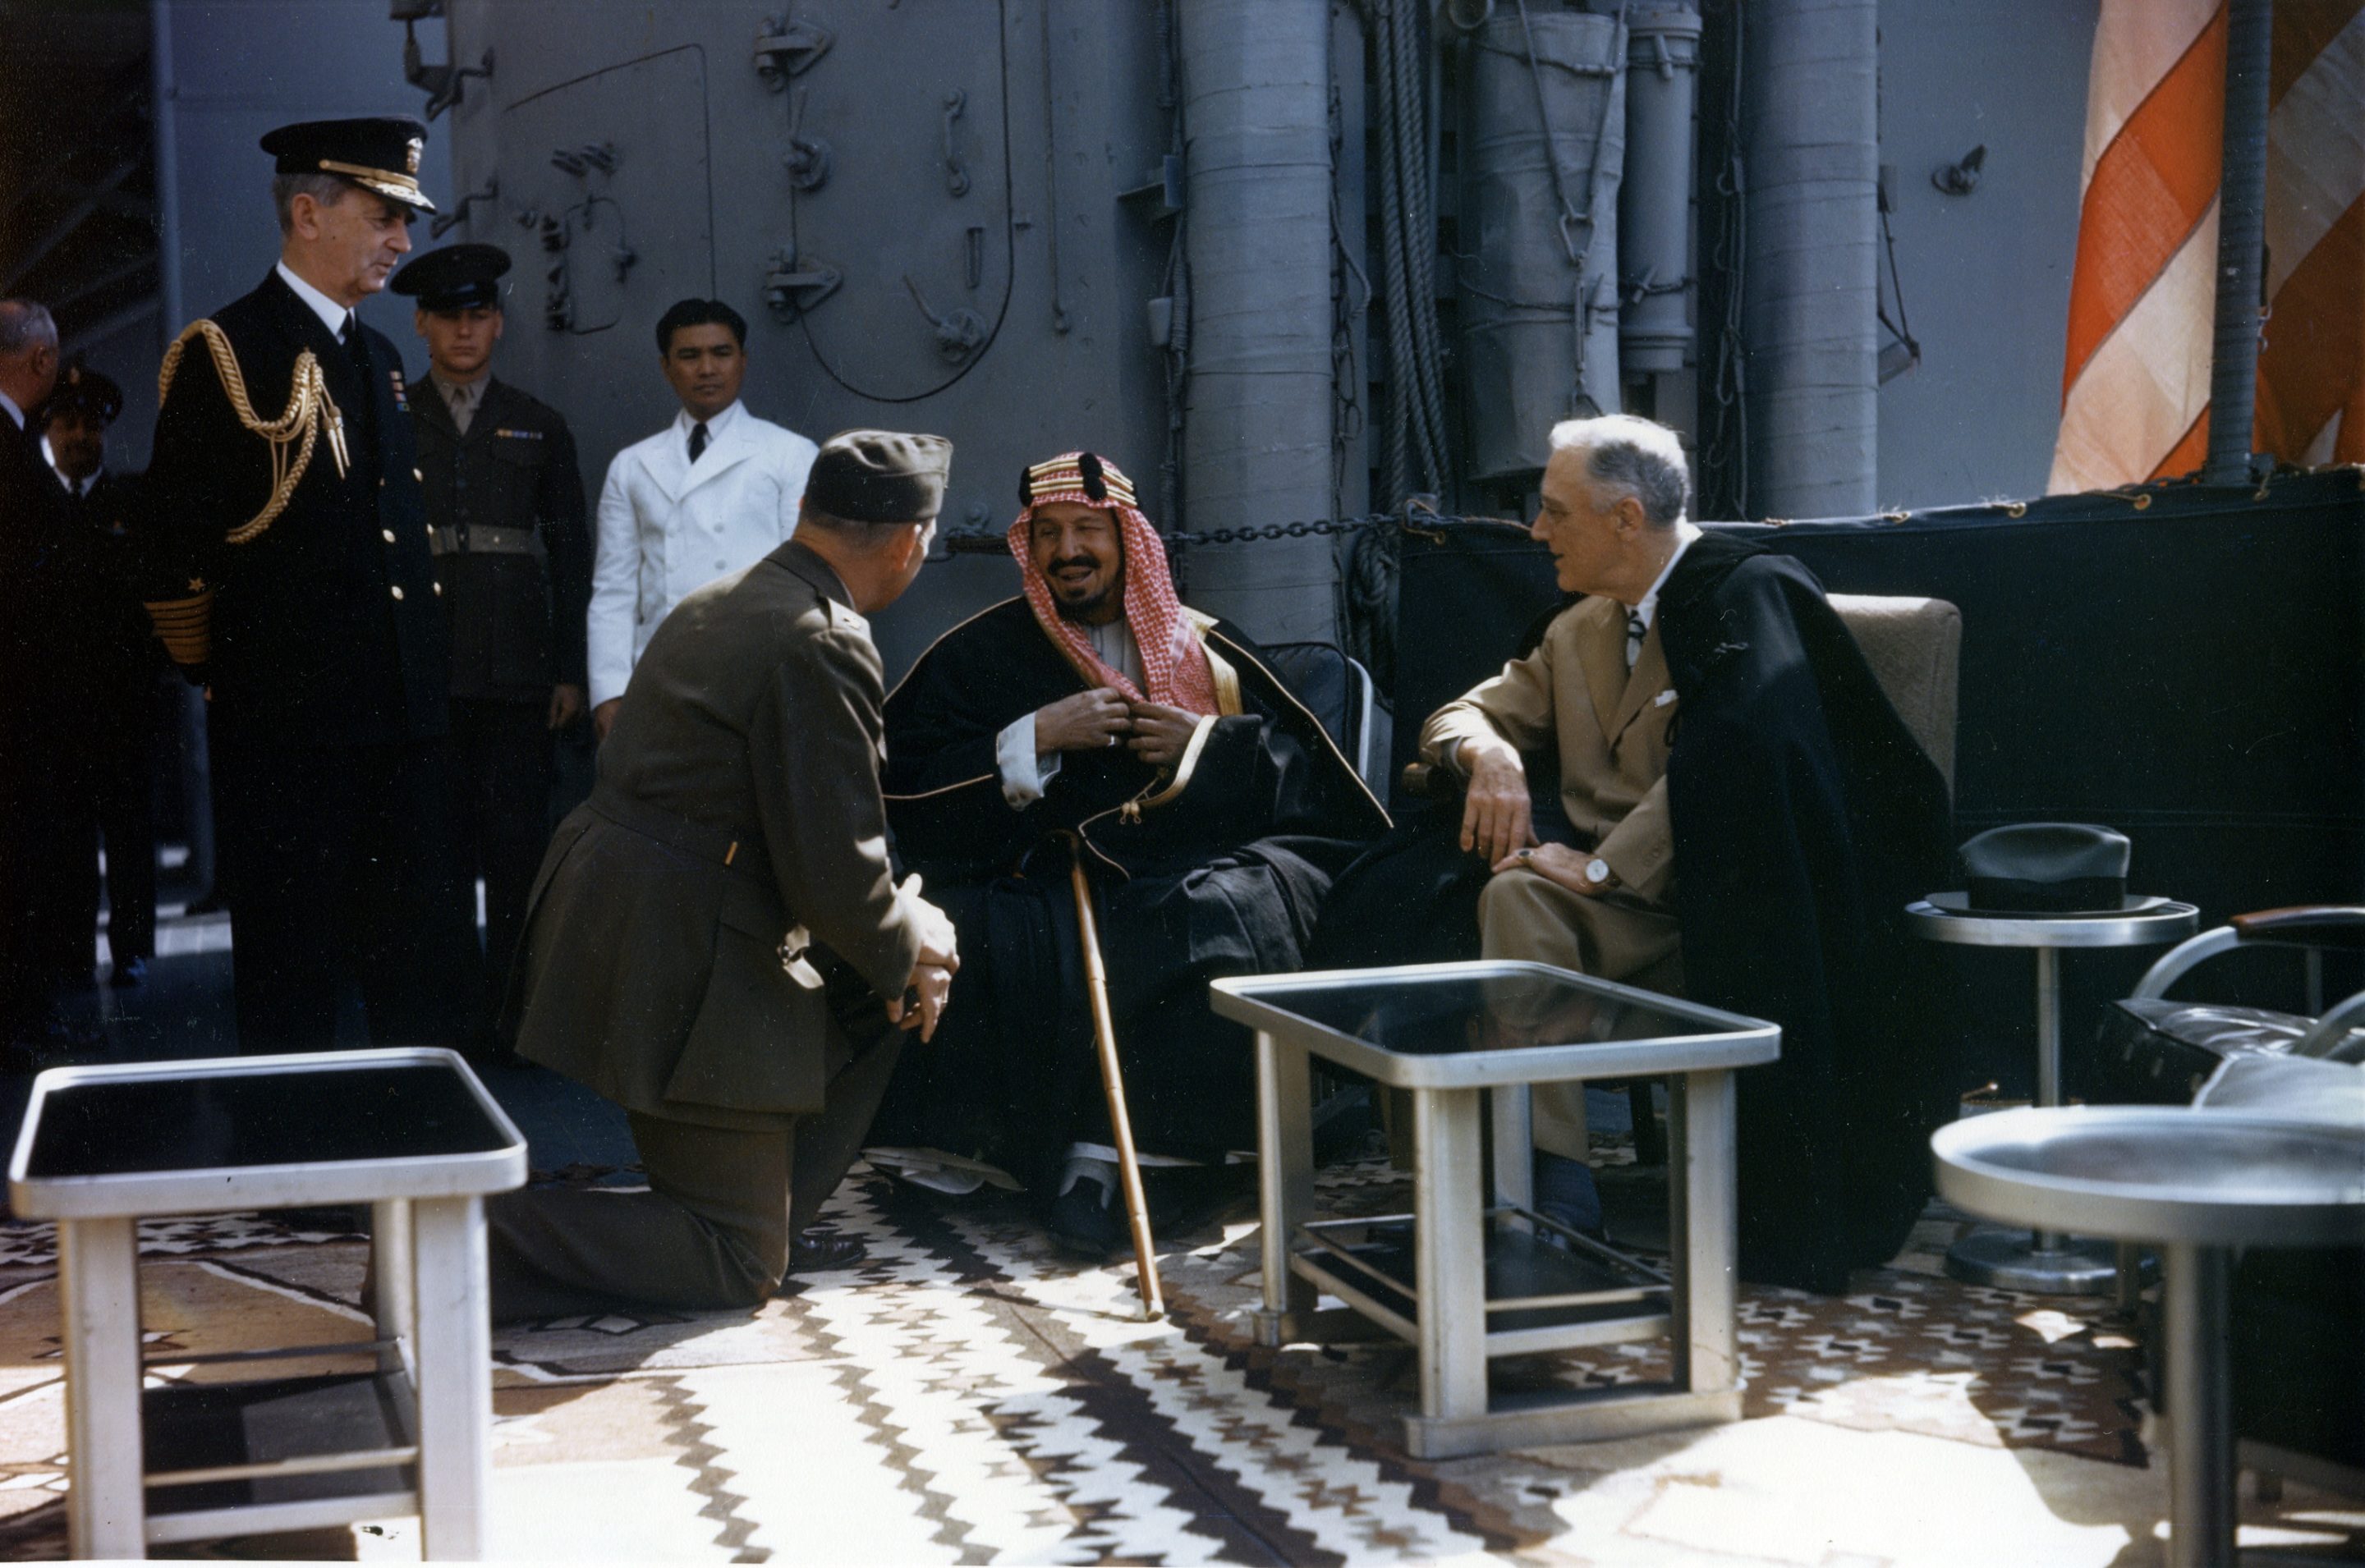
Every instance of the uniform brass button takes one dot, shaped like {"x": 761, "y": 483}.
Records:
{"x": 389, "y": 534}
{"x": 439, "y": 590}
{"x": 398, "y": 590}
{"x": 418, "y": 475}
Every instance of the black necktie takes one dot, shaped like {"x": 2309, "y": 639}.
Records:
{"x": 697, "y": 440}
{"x": 1636, "y": 630}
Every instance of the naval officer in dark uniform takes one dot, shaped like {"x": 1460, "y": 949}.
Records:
{"x": 109, "y": 658}
{"x": 505, "y": 504}
{"x": 290, "y": 572}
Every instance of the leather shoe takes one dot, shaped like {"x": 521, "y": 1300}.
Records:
{"x": 818, "y": 1251}
{"x": 1086, "y": 1222}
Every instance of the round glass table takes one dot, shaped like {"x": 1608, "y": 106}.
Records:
{"x": 2197, "y": 1184}
{"x": 2046, "y": 1261}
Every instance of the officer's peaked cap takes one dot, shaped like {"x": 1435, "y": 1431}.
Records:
{"x": 379, "y": 154}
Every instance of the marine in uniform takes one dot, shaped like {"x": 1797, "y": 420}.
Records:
{"x": 513, "y": 551}
{"x": 289, "y": 571}
{"x": 717, "y": 943}
{"x": 116, "y": 667}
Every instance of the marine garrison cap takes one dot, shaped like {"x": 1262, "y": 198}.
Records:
{"x": 83, "y": 390}
{"x": 379, "y": 155}
{"x": 879, "y": 476}
{"x": 457, "y": 277}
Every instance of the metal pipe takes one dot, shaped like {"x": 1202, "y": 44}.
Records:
{"x": 1812, "y": 154}
{"x": 1256, "y": 442}
{"x": 2200, "y": 1409}
{"x": 1543, "y": 148}
{"x": 1654, "y": 207}
{"x": 2241, "y": 241}
{"x": 2048, "y": 1052}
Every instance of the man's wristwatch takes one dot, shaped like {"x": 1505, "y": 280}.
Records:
{"x": 1597, "y": 872}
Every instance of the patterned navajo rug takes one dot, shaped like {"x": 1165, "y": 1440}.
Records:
{"x": 967, "y": 1395}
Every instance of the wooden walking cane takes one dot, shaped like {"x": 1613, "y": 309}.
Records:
{"x": 1137, "y": 1206}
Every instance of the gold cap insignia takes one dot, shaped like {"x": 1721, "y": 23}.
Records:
{"x": 411, "y": 152}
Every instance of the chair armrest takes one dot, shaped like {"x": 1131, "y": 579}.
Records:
{"x": 2306, "y": 925}
{"x": 2334, "y": 1038}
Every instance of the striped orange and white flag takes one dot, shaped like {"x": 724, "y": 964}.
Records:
{"x": 2135, "y": 399}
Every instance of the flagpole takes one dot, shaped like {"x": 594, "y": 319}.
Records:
{"x": 2241, "y": 241}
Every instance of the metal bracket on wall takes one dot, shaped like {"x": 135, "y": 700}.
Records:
{"x": 790, "y": 289}
{"x": 955, "y": 176}
{"x": 1159, "y": 195}
{"x": 959, "y": 332}
{"x": 580, "y": 160}
{"x": 447, "y": 221}
{"x": 442, "y": 83}
{"x": 807, "y": 159}
{"x": 786, "y": 47}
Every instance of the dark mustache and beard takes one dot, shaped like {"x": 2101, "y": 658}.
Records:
{"x": 1074, "y": 608}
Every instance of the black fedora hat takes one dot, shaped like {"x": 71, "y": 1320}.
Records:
{"x": 2046, "y": 868}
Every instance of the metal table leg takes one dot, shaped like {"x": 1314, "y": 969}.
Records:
{"x": 1512, "y": 1121}
{"x": 1704, "y": 1204}
{"x": 1450, "y": 1257}
{"x": 98, "y": 1303}
{"x": 2047, "y": 1264}
{"x": 1284, "y": 1183}
{"x": 391, "y": 1305}
{"x": 455, "y": 1376}
{"x": 2198, "y": 1374}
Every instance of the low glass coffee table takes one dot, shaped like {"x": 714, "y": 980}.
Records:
{"x": 1474, "y": 1272}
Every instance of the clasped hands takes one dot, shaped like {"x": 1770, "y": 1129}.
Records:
{"x": 1102, "y": 717}
{"x": 1498, "y": 820}
{"x": 930, "y": 986}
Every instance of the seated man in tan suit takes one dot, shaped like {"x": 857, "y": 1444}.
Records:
{"x": 1596, "y": 687}
{"x": 1746, "y": 818}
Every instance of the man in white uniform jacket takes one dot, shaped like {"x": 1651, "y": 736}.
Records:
{"x": 715, "y": 490}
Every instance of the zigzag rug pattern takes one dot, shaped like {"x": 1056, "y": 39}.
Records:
{"x": 966, "y": 1395}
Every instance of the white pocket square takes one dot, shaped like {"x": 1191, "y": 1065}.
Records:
{"x": 1664, "y": 698}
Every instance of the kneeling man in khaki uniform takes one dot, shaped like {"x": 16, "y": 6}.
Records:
{"x": 716, "y": 942}
{"x": 1596, "y": 691}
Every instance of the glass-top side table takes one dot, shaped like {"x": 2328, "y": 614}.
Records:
{"x": 2045, "y": 1262}
{"x": 410, "y": 1132}
{"x": 1474, "y": 1272}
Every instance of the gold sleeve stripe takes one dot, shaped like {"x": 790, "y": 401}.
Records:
{"x": 184, "y": 626}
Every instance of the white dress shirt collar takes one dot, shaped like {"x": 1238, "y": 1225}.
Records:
{"x": 16, "y": 414}
{"x": 720, "y": 423}
{"x": 79, "y": 486}
{"x": 1686, "y": 531}
{"x": 331, "y": 314}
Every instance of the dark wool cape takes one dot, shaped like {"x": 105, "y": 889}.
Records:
{"x": 1805, "y": 817}
{"x": 1220, "y": 868}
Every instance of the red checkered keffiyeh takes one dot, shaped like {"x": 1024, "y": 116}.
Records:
{"x": 1173, "y": 660}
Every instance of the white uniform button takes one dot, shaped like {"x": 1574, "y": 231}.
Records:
{"x": 439, "y": 590}
{"x": 398, "y": 590}
{"x": 386, "y": 534}
{"x": 418, "y": 475}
